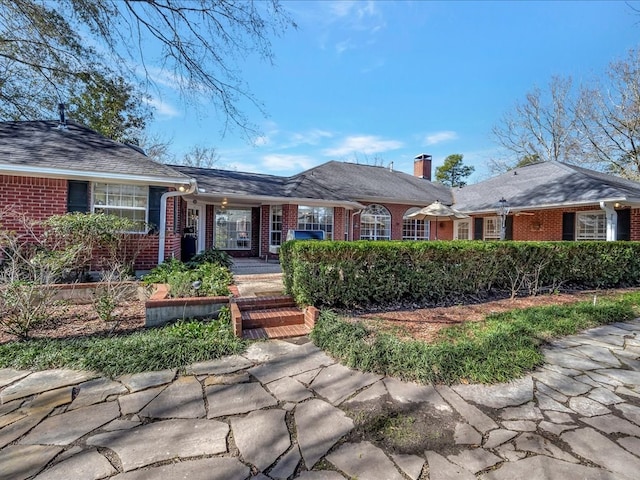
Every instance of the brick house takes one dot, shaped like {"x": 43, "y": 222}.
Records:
{"x": 47, "y": 168}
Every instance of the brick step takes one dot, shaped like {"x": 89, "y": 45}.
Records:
{"x": 288, "y": 331}
{"x": 261, "y": 303}
{"x": 272, "y": 317}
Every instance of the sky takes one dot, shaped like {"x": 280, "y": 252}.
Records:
{"x": 387, "y": 80}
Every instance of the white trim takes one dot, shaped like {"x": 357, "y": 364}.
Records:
{"x": 202, "y": 225}
{"x": 633, "y": 202}
{"x": 485, "y": 220}
{"x": 455, "y": 228}
{"x": 611, "y": 217}
{"x": 590, "y": 212}
{"x": 92, "y": 176}
{"x": 162, "y": 234}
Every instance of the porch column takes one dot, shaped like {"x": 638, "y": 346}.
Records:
{"x": 612, "y": 221}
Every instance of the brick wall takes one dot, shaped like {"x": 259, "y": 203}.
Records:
{"x": 37, "y": 198}
{"x": 265, "y": 225}
{"x": 338, "y": 223}
{"x": 635, "y": 224}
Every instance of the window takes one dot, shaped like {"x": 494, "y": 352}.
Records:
{"x": 591, "y": 226}
{"x": 127, "y": 201}
{"x": 492, "y": 228}
{"x": 275, "y": 229}
{"x": 462, "y": 230}
{"x": 413, "y": 229}
{"x": 316, "y": 218}
{"x": 233, "y": 229}
{"x": 375, "y": 223}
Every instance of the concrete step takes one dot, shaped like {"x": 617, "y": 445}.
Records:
{"x": 271, "y": 317}
{"x": 271, "y": 333}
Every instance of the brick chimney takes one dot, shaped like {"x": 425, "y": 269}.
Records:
{"x": 422, "y": 166}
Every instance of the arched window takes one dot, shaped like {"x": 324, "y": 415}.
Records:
{"x": 413, "y": 229}
{"x": 375, "y": 223}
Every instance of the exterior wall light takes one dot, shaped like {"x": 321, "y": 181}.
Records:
{"x": 503, "y": 209}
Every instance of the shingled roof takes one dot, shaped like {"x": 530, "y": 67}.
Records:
{"x": 371, "y": 183}
{"x": 545, "y": 185}
{"x": 75, "y": 148}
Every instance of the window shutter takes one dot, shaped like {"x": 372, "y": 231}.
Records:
{"x": 508, "y": 234}
{"x": 77, "y": 196}
{"x": 155, "y": 195}
{"x": 568, "y": 226}
{"x": 478, "y": 228}
{"x": 624, "y": 224}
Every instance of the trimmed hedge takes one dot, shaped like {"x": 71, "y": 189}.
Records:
{"x": 367, "y": 274}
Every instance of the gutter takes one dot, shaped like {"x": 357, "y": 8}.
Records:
{"x": 163, "y": 215}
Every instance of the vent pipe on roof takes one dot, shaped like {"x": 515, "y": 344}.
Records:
{"x": 391, "y": 167}
{"x": 63, "y": 122}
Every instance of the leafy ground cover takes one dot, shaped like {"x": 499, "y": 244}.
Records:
{"x": 131, "y": 351}
{"x": 499, "y": 347}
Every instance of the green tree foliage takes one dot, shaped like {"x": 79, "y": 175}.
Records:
{"x": 48, "y": 48}
{"x": 453, "y": 172}
{"x": 110, "y": 106}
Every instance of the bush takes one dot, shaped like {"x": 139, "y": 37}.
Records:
{"x": 191, "y": 279}
{"x": 213, "y": 255}
{"x": 367, "y": 274}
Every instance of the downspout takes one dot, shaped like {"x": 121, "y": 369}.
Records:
{"x": 612, "y": 221}
{"x": 163, "y": 216}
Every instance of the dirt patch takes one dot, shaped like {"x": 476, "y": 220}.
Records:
{"x": 405, "y": 428}
{"x": 425, "y": 323}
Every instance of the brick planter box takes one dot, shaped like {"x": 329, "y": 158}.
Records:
{"x": 160, "y": 309}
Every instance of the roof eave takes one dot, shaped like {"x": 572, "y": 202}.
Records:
{"x": 88, "y": 175}
{"x": 548, "y": 206}
{"x": 276, "y": 200}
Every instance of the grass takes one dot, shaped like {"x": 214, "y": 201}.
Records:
{"x": 501, "y": 348}
{"x": 173, "y": 346}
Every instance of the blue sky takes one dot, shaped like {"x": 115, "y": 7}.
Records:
{"x": 390, "y": 80}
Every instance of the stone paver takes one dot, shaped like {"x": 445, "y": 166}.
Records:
{"x": 588, "y": 443}
{"x": 19, "y": 462}
{"x": 500, "y": 395}
{"x": 239, "y": 398}
{"x": 406, "y": 392}
{"x": 141, "y": 381}
{"x": 261, "y": 437}
{"x": 43, "y": 381}
{"x": 220, "y": 366}
{"x": 204, "y": 469}
{"x": 164, "y": 440}
{"x": 337, "y": 383}
{"x": 319, "y": 425}
{"x": 411, "y": 465}
{"x": 182, "y": 399}
{"x": 280, "y": 409}
{"x": 87, "y": 465}
{"x": 364, "y": 461}
{"x": 546, "y": 468}
{"x": 68, "y": 427}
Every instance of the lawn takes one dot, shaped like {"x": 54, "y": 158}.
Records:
{"x": 499, "y": 348}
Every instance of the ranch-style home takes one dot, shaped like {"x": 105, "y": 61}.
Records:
{"x": 48, "y": 168}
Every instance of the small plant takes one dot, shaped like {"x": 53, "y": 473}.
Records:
{"x": 23, "y": 305}
{"x": 161, "y": 273}
{"x": 112, "y": 291}
{"x": 191, "y": 279}
{"x": 213, "y": 255}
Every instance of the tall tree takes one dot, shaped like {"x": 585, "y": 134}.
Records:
{"x": 608, "y": 113}
{"x": 111, "y": 107}
{"x": 200, "y": 156}
{"x": 453, "y": 172}
{"x": 47, "y": 47}
{"x": 542, "y": 127}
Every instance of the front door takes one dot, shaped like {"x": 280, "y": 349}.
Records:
{"x": 195, "y": 226}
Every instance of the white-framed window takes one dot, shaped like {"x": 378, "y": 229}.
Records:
{"x": 413, "y": 229}
{"x": 316, "y": 218}
{"x": 126, "y": 201}
{"x": 375, "y": 223}
{"x": 275, "y": 225}
{"x": 462, "y": 230}
{"x": 591, "y": 226}
{"x": 491, "y": 228}
{"x": 233, "y": 229}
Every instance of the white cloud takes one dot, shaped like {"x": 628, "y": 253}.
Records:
{"x": 365, "y": 144}
{"x": 440, "y": 137}
{"x": 162, "y": 108}
{"x": 261, "y": 141}
{"x": 310, "y": 137}
{"x": 278, "y": 161}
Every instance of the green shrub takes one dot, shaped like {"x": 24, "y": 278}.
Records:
{"x": 191, "y": 279}
{"x": 213, "y": 255}
{"x": 367, "y": 274}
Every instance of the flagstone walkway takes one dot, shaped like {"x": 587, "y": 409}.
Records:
{"x": 279, "y": 412}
